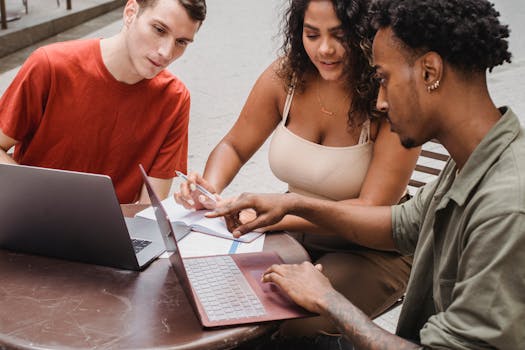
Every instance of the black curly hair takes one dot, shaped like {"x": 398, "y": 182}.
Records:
{"x": 359, "y": 73}
{"x": 466, "y": 33}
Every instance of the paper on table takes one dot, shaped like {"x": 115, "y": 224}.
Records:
{"x": 200, "y": 244}
{"x": 196, "y": 220}
{"x": 173, "y": 209}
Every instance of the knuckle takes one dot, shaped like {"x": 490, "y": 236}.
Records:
{"x": 243, "y": 195}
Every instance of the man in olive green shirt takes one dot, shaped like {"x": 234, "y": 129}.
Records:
{"x": 467, "y": 229}
{"x": 466, "y": 232}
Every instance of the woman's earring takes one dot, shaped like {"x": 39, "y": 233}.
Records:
{"x": 433, "y": 87}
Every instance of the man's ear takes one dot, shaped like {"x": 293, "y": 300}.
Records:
{"x": 431, "y": 68}
{"x": 131, "y": 11}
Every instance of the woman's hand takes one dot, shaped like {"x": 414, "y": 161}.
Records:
{"x": 191, "y": 198}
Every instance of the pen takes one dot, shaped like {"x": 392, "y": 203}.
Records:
{"x": 199, "y": 187}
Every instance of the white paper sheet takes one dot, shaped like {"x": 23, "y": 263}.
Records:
{"x": 196, "y": 220}
{"x": 174, "y": 210}
{"x": 201, "y": 244}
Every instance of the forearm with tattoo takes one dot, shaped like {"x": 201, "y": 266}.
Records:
{"x": 358, "y": 328}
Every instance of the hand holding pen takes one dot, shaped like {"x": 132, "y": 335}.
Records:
{"x": 195, "y": 192}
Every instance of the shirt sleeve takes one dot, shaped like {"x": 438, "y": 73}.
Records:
{"x": 487, "y": 307}
{"x": 407, "y": 219}
{"x": 173, "y": 154}
{"x": 24, "y": 101}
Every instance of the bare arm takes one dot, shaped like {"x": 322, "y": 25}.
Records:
{"x": 369, "y": 226}
{"x": 358, "y": 328}
{"x": 257, "y": 120}
{"x": 385, "y": 183}
{"x": 5, "y": 144}
{"x": 308, "y": 287}
{"x": 160, "y": 186}
{"x": 390, "y": 170}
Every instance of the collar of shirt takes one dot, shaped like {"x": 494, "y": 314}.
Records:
{"x": 485, "y": 154}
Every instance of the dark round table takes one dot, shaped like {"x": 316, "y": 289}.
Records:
{"x": 49, "y": 303}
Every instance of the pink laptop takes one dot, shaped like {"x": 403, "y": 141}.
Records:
{"x": 226, "y": 290}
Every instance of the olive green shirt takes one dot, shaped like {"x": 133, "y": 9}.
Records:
{"x": 467, "y": 234}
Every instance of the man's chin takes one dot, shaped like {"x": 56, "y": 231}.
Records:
{"x": 148, "y": 76}
{"x": 150, "y": 73}
{"x": 409, "y": 143}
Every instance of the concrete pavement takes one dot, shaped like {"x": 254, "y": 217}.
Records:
{"x": 45, "y": 18}
{"x": 506, "y": 83}
{"x": 513, "y": 13}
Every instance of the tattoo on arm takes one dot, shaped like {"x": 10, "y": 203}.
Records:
{"x": 359, "y": 329}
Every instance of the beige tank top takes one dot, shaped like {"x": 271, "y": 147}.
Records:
{"x": 316, "y": 170}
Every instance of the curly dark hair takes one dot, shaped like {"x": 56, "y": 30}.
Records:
{"x": 359, "y": 73}
{"x": 466, "y": 33}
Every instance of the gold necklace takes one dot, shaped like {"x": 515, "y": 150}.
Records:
{"x": 323, "y": 109}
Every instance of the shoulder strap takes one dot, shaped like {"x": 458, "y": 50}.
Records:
{"x": 288, "y": 102}
{"x": 365, "y": 132}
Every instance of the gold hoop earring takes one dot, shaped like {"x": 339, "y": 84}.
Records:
{"x": 433, "y": 87}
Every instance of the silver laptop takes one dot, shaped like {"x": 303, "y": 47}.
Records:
{"x": 225, "y": 290}
{"x": 73, "y": 216}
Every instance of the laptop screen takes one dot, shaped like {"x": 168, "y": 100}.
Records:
{"x": 166, "y": 230}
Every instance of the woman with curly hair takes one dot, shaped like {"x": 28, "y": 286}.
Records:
{"x": 329, "y": 142}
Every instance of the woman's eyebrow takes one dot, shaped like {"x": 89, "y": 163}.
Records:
{"x": 309, "y": 26}
{"x": 333, "y": 29}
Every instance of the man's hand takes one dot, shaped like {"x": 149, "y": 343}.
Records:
{"x": 308, "y": 287}
{"x": 305, "y": 284}
{"x": 269, "y": 209}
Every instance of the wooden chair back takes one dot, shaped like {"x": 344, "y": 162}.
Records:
{"x": 429, "y": 164}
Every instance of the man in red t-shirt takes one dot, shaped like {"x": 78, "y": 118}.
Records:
{"x": 106, "y": 105}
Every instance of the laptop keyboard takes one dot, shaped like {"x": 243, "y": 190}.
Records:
{"x": 139, "y": 244}
{"x": 223, "y": 290}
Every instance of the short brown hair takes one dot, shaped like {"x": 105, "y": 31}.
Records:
{"x": 196, "y": 9}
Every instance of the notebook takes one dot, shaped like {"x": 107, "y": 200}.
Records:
{"x": 196, "y": 220}
{"x": 225, "y": 290}
{"x": 73, "y": 216}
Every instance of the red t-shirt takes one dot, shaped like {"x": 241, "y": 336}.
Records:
{"x": 68, "y": 112}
